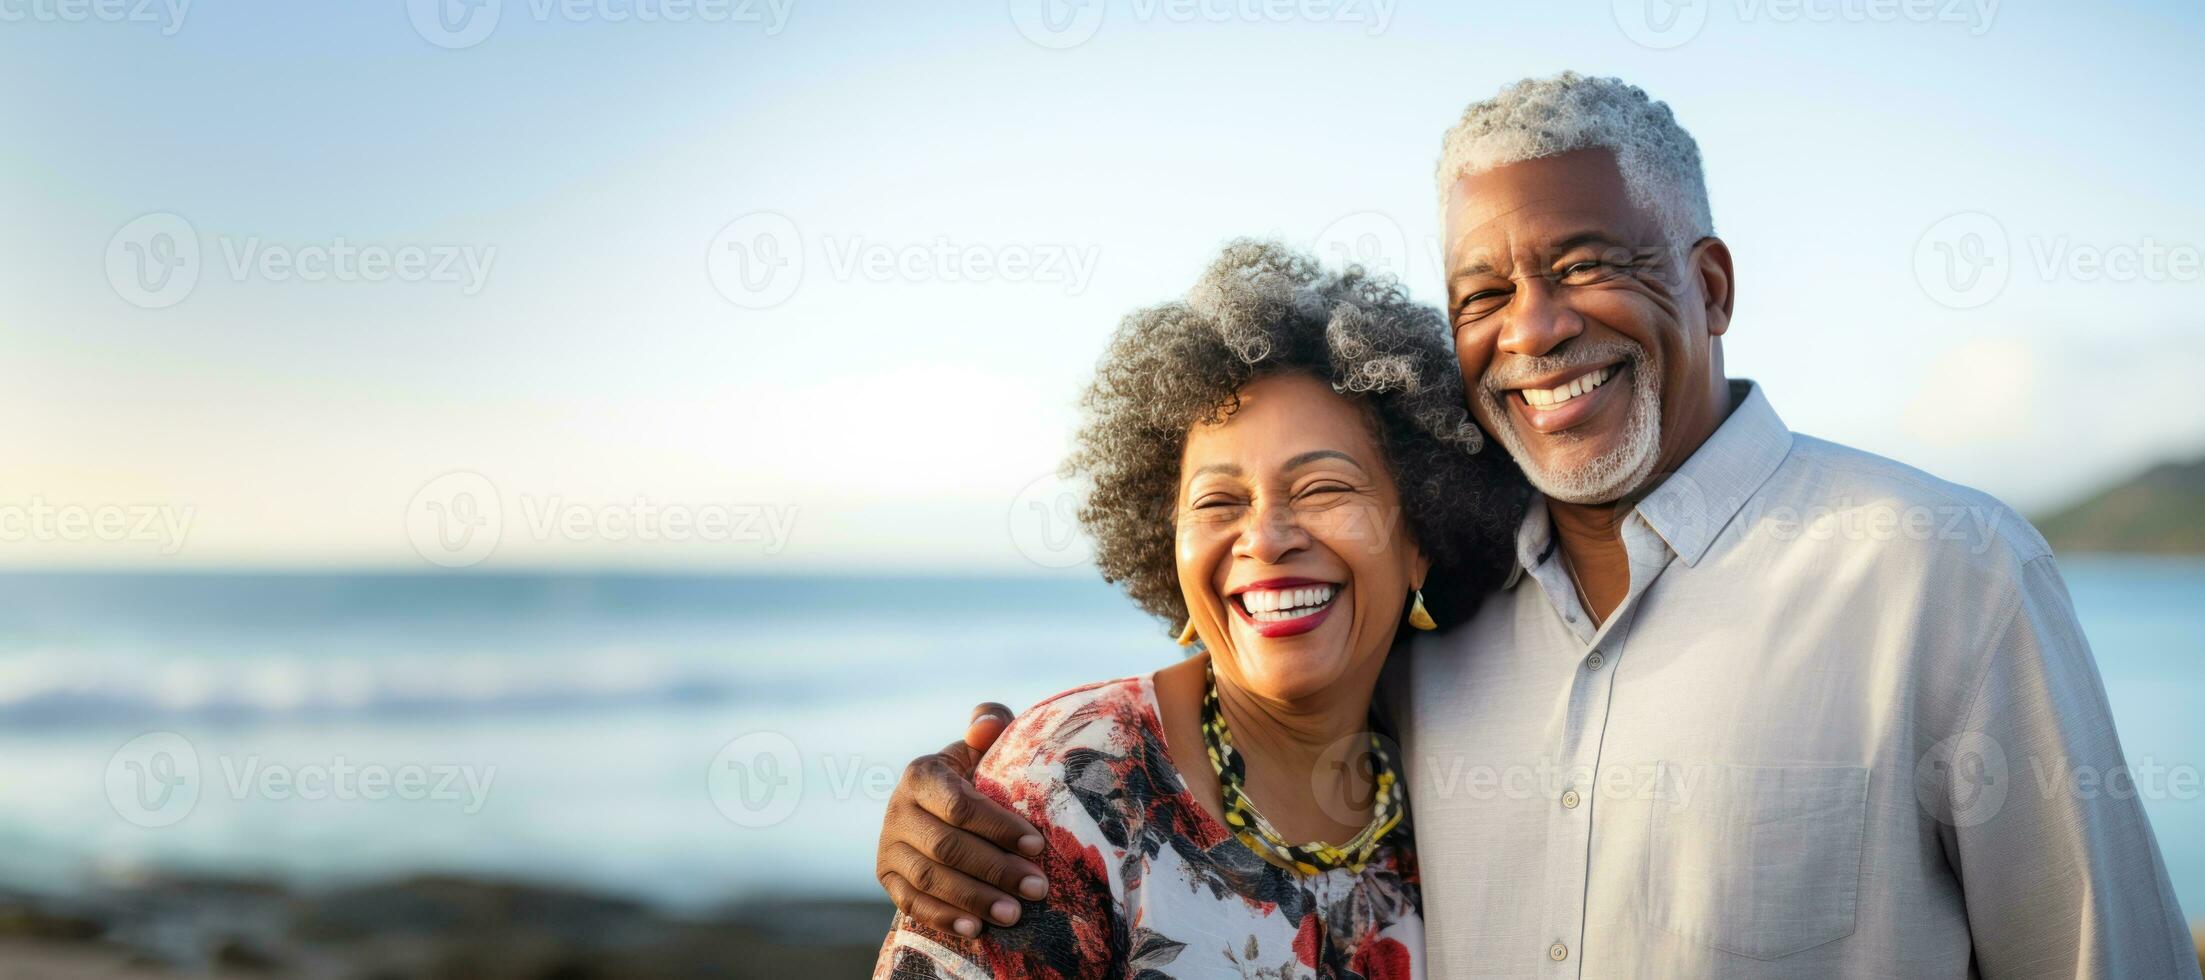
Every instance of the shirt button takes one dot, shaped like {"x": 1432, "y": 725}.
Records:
{"x": 1572, "y": 617}
{"x": 1593, "y": 662}
{"x": 1558, "y": 952}
{"x": 1569, "y": 799}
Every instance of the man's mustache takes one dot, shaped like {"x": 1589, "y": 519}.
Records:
{"x": 1517, "y": 371}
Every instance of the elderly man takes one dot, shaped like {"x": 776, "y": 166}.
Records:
{"x": 1756, "y": 704}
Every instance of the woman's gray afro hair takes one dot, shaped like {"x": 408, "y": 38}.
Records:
{"x": 1263, "y": 309}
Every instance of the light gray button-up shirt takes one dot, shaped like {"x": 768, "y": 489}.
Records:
{"x": 1844, "y": 723}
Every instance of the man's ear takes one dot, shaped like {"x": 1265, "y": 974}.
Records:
{"x": 1710, "y": 262}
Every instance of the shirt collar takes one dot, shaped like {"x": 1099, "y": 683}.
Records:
{"x": 1690, "y": 508}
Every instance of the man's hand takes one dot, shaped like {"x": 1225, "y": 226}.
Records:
{"x": 945, "y": 848}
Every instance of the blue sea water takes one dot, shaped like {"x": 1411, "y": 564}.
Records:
{"x": 592, "y": 709}
{"x": 685, "y": 739}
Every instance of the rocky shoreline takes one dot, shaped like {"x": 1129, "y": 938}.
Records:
{"x": 427, "y": 926}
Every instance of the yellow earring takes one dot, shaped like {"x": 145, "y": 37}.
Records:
{"x": 1420, "y": 617}
{"x": 1186, "y": 636}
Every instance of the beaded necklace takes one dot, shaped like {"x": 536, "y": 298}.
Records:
{"x": 1387, "y": 805}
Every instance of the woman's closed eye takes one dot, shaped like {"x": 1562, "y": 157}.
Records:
{"x": 1213, "y": 508}
{"x": 1321, "y": 491}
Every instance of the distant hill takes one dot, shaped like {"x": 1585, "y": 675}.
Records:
{"x": 2162, "y": 511}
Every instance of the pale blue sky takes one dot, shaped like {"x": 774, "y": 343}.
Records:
{"x": 896, "y": 420}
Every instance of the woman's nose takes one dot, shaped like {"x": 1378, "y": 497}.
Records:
{"x": 1272, "y": 533}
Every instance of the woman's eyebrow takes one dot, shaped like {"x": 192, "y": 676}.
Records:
{"x": 1316, "y": 454}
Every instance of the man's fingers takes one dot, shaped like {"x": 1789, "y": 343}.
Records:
{"x": 988, "y": 721}
{"x": 954, "y": 801}
{"x": 981, "y": 859}
{"x": 950, "y": 886}
{"x": 958, "y": 761}
{"x": 928, "y": 910}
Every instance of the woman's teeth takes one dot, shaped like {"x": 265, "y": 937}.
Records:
{"x": 1279, "y": 605}
{"x": 1549, "y": 397}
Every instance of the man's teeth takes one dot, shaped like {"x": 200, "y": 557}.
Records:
{"x": 1276, "y": 605}
{"x": 1550, "y": 397}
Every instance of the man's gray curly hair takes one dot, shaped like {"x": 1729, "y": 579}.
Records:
{"x": 1543, "y": 117}
{"x": 1262, "y": 309}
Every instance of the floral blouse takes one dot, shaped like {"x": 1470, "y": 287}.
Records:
{"x": 1145, "y": 883}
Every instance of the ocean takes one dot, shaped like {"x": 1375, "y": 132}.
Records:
{"x": 684, "y": 739}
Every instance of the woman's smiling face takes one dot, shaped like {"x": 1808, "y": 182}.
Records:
{"x": 1293, "y": 556}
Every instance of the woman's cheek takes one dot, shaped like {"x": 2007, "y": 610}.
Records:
{"x": 1359, "y": 533}
{"x": 1197, "y": 572}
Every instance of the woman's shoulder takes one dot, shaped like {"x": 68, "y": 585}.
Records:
{"x": 1116, "y": 718}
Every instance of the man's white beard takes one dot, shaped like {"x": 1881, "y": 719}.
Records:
{"x": 1615, "y": 473}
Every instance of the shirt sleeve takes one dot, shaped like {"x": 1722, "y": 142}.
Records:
{"x": 2060, "y": 873}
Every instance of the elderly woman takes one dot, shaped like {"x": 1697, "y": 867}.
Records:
{"x": 1281, "y": 468}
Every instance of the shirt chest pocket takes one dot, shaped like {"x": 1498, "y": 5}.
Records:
{"x": 1758, "y": 861}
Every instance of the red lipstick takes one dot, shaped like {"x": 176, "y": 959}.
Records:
{"x": 1285, "y": 627}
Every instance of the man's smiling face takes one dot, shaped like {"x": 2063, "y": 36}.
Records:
{"x": 1586, "y": 342}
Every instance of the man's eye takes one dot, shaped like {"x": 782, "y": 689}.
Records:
{"x": 1578, "y": 270}
{"x": 1481, "y": 303}
{"x": 1587, "y": 272}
